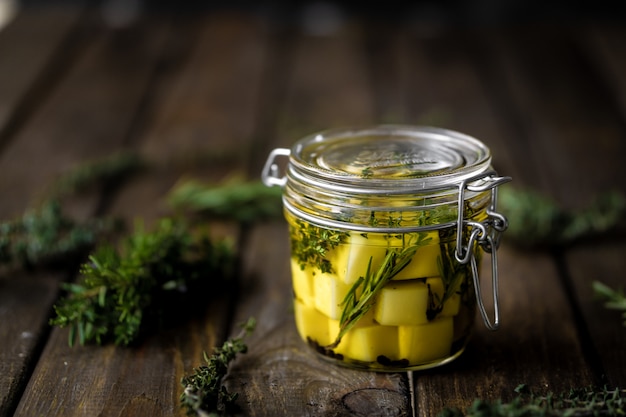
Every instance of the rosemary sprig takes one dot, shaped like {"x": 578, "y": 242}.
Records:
{"x": 615, "y": 299}
{"x": 361, "y": 295}
{"x": 243, "y": 201}
{"x": 46, "y": 236}
{"x": 204, "y": 394}
{"x": 120, "y": 293}
{"x": 580, "y": 402}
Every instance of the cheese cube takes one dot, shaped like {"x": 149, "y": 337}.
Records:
{"x": 362, "y": 249}
{"x": 424, "y": 263}
{"x": 338, "y": 258}
{"x": 451, "y": 305}
{"x": 402, "y": 303}
{"x": 302, "y": 281}
{"x": 367, "y": 342}
{"x": 311, "y": 324}
{"x": 426, "y": 342}
{"x": 330, "y": 292}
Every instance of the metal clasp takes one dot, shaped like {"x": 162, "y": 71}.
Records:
{"x": 486, "y": 234}
{"x": 270, "y": 175}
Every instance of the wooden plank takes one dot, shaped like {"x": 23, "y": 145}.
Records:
{"x": 576, "y": 133}
{"x": 322, "y": 90}
{"x": 603, "y": 260}
{"x": 37, "y": 47}
{"x": 23, "y": 330}
{"x": 87, "y": 117}
{"x": 327, "y": 87}
{"x": 50, "y": 144}
{"x": 603, "y": 44}
{"x": 445, "y": 85}
{"x": 572, "y": 123}
{"x": 202, "y": 108}
{"x": 604, "y": 263}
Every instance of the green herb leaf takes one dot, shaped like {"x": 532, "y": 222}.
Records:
{"x": 105, "y": 170}
{"x": 614, "y": 299}
{"x": 48, "y": 237}
{"x": 121, "y": 293}
{"x": 310, "y": 245}
{"x": 243, "y": 201}
{"x": 575, "y": 402}
{"x": 203, "y": 392}
{"x": 536, "y": 220}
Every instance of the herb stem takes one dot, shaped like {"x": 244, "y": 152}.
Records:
{"x": 355, "y": 305}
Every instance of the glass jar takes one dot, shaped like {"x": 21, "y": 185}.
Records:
{"x": 387, "y": 227}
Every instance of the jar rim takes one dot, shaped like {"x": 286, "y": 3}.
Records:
{"x": 396, "y": 159}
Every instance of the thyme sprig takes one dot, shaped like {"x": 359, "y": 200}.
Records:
{"x": 111, "y": 168}
{"x": 119, "y": 293}
{"x": 235, "y": 199}
{"x": 537, "y": 220}
{"x": 310, "y": 244}
{"x": 46, "y": 236}
{"x": 204, "y": 394}
{"x": 579, "y": 402}
{"x": 615, "y": 299}
{"x": 361, "y": 296}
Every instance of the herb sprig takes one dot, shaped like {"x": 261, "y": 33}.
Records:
{"x": 536, "y": 220}
{"x": 119, "y": 293}
{"x": 615, "y": 299}
{"x": 46, "y": 236}
{"x": 204, "y": 394}
{"x": 236, "y": 199}
{"x": 580, "y": 402}
{"x": 109, "y": 169}
{"x": 361, "y": 295}
{"x": 310, "y": 245}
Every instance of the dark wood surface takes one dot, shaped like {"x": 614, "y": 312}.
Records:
{"x": 207, "y": 94}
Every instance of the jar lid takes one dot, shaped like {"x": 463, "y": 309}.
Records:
{"x": 397, "y": 159}
{"x": 361, "y": 178}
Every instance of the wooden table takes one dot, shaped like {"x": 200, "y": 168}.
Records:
{"x": 207, "y": 94}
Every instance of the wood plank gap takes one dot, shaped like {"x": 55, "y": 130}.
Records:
{"x": 506, "y": 116}
{"x": 273, "y": 92}
{"x": 584, "y": 335}
{"x": 69, "y": 51}
{"x": 413, "y": 397}
{"x": 9, "y": 407}
{"x": 172, "y": 59}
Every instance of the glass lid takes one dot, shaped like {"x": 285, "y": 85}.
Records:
{"x": 390, "y": 156}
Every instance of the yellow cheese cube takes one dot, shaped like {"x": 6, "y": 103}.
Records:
{"x": 367, "y": 342}
{"x": 427, "y": 342}
{"x": 311, "y": 324}
{"x": 329, "y": 293}
{"x": 338, "y": 258}
{"x": 302, "y": 281}
{"x": 451, "y": 305}
{"x": 424, "y": 263}
{"x": 402, "y": 303}
{"x": 362, "y": 249}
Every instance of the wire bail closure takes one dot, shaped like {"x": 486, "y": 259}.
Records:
{"x": 486, "y": 234}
